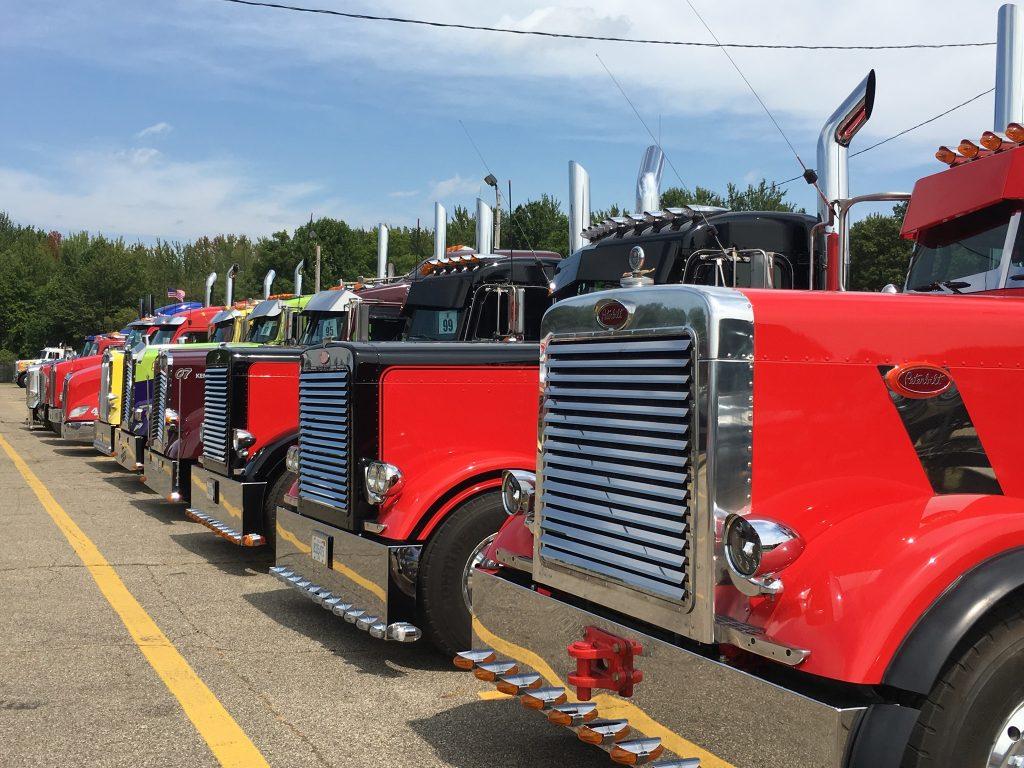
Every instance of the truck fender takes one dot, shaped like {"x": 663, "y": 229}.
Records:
{"x": 923, "y": 653}
{"x": 269, "y": 460}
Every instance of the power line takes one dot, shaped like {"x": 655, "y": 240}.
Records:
{"x": 602, "y": 38}
{"x": 901, "y": 133}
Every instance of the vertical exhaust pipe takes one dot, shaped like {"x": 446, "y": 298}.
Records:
{"x": 484, "y": 227}
{"x": 440, "y": 230}
{"x": 579, "y": 205}
{"x": 297, "y": 277}
{"x": 268, "y": 282}
{"x": 229, "y": 285}
{"x": 382, "y": 251}
{"x": 210, "y": 280}
{"x": 648, "y": 180}
{"x": 833, "y": 169}
{"x": 1009, "y": 67}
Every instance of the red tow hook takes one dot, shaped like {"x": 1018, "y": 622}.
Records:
{"x": 604, "y": 661}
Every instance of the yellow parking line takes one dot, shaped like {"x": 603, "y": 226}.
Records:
{"x": 226, "y": 739}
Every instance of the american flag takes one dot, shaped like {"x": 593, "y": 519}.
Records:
{"x": 176, "y": 293}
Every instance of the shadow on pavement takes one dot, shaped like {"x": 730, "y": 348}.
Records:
{"x": 370, "y": 656}
{"x": 77, "y": 451}
{"x": 106, "y": 464}
{"x": 228, "y": 558}
{"x": 163, "y": 511}
{"x": 128, "y": 483}
{"x": 474, "y": 735}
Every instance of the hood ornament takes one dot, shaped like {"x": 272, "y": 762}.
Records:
{"x": 638, "y": 276}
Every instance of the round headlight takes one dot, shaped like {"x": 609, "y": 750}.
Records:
{"x": 517, "y": 488}
{"x": 242, "y": 441}
{"x": 291, "y": 459}
{"x": 170, "y": 416}
{"x": 381, "y": 480}
{"x": 742, "y": 547}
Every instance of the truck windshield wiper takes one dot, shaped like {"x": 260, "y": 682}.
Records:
{"x": 951, "y": 285}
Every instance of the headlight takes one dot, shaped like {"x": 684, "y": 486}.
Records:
{"x": 291, "y": 459}
{"x": 242, "y": 441}
{"x": 381, "y": 480}
{"x": 170, "y": 417}
{"x": 79, "y": 411}
{"x": 517, "y": 489}
{"x": 111, "y": 396}
{"x": 742, "y": 547}
{"x": 139, "y": 412}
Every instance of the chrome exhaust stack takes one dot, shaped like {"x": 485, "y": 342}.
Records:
{"x": 579, "y": 206}
{"x": 382, "y": 251}
{"x": 834, "y": 142}
{"x": 440, "y": 230}
{"x": 297, "y": 277}
{"x": 484, "y": 227}
{"x": 210, "y": 280}
{"x": 229, "y": 288}
{"x": 648, "y": 180}
{"x": 1009, "y": 97}
{"x": 268, "y": 282}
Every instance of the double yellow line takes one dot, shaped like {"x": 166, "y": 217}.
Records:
{"x": 229, "y": 743}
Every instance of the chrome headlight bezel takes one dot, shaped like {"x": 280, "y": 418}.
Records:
{"x": 381, "y": 481}
{"x": 772, "y": 547}
{"x": 291, "y": 459}
{"x": 241, "y": 441}
{"x": 518, "y": 487}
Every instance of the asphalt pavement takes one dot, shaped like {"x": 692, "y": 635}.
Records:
{"x": 81, "y": 686}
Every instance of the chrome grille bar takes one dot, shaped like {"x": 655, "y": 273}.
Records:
{"x": 216, "y": 416}
{"x": 104, "y": 403}
{"x": 615, "y": 460}
{"x": 156, "y": 416}
{"x": 128, "y": 390}
{"x": 324, "y": 437}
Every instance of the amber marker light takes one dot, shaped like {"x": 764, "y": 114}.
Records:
{"x": 637, "y": 753}
{"x": 990, "y": 140}
{"x": 469, "y": 659}
{"x": 567, "y": 714}
{"x": 599, "y": 732}
{"x": 542, "y": 698}
{"x": 945, "y": 155}
{"x": 490, "y": 672}
{"x": 1015, "y": 132}
{"x": 968, "y": 149}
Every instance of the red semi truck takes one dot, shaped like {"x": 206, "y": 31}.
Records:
{"x": 241, "y": 474}
{"x": 74, "y": 401}
{"x": 784, "y": 529}
{"x": 400, "y": 444}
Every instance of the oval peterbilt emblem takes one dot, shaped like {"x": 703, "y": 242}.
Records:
{"x": 325, "y": 357}
{"x": 918, "y": 380}
{"x": 612, "y": 314}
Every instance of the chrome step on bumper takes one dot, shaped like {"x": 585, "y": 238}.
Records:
{"x": 614, "y": 736}
{"x": 235, "y": 537}
{"x": 401, "y": 631}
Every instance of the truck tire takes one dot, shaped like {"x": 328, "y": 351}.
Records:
{"x": 21, "y": 379}
{"x": 976, "y": 708}
{"x": 276, "y": 489}
{"x": 444, "y": 615}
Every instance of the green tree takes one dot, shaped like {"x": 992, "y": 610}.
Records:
{"x": 878, "y": 255}
{"x": 461, "y": 228}
{"x": 537, "y": 224}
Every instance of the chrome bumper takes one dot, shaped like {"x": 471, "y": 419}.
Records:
{"x": 369, "y": 584}
{"x": 128, "y": 450}
{"x": 227, "y": 507}
{"x": 686, "y": 704}
{"x": 77, "y": 431}
{"x": 165, "y": 477}
{"x": 103, "y": 437}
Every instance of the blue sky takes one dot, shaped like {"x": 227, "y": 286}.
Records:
{"x": 176, "y": 118}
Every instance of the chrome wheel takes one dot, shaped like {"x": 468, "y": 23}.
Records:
{"x": 1008, "y": 748}
{"x": 476, "y": 558}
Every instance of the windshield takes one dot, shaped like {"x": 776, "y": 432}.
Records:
{"x": 966, "y": 255}
{"x": 324, "y": 325}
{"x": 88, "y": 349}
{"x": 223, "y": 331}
{"x": 263, "y": 330}
{"x": 434, "y": 325}
{"x": 163, "y": 335}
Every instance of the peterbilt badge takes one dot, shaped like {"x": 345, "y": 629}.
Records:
{"x": 918, "y": 381}
{"x": 612, "y": 314}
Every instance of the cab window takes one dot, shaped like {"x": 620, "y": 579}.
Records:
{"x": 434, "y": 325}
{"x": 264, "y": 329}
{"x": 163, "y": 335}
{"x": 321, "y": 326}
{"x": 223, "y": 331}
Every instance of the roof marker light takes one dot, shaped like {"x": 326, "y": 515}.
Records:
{"x": 991, "y": 141}
{"x": 1015, "y": 132}
{"x": 945, "y": 155}
{"x": 968, "y": 149}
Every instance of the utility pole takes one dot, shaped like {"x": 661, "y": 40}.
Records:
{"x": 491, "y": 181}
{"x": 316, "y": 250}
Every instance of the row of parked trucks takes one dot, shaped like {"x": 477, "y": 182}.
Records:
{"x": 681, "y": 493}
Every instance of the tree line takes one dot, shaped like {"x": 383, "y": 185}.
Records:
{"x": 60, "y": 288}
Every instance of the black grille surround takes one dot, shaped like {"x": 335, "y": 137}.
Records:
{"x": 324, "y": 437}
{"x": 616, "y": 461}
{"x": 216, "y": 417}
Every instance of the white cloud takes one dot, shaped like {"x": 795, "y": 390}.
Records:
{"x": 401, "y": 193}
{"x": 457, "y": 185}
{"x": 157, "y": 129}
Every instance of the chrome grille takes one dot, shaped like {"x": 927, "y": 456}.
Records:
{"x": 216, "y": 415}
{"x": 128, "y": 390}
{"x": 156, "y": 415}
{"x": 104, "y": 402}
{"x": 616, "y": 461}
{"x": 324, "y": 437}
{"x": 32, "y": 387}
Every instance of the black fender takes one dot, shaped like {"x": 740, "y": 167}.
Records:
{"x": 269, "y": 460}
{"x": 929, "y": 644}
